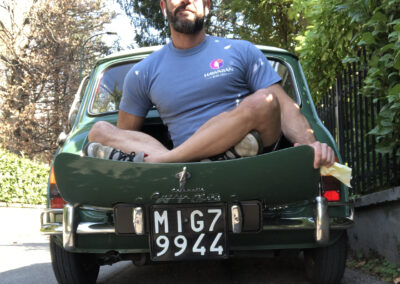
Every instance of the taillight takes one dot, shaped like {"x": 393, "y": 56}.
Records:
{"x": 332, "y": 195}
{"x": 56, "y": 201}
{"x": 331, "y": 188}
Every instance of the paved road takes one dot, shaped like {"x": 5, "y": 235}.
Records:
{"x": 25, "y": 258}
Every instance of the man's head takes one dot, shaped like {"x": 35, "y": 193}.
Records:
{"x": 186, "y": 16}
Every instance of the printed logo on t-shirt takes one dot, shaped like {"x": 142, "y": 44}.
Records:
{"x": 218, "y": 71}
{"x": 216, "y": 64}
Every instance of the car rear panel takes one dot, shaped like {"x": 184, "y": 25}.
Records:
{"x": 281, "y": 177}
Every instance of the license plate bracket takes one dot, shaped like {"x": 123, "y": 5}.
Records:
{"x": 179, "y": 232}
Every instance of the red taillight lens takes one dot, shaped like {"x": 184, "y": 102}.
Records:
{"x": 332, "y": 195}
{"x": 331, "y": 188}
{"x": 56, "y": 200}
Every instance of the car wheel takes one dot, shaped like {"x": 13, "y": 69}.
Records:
{"x": 326, "y": 265}
{"x": 73, "y": 268}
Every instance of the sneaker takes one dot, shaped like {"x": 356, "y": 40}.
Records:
{"x": 97, "y": 150}
{"x": 250, "y": 145}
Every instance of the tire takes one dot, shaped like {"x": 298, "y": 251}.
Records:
{"x": 73, "y": 268}
{"x": 326, "y": 265}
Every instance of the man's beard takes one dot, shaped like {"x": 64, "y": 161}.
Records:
{"x": 185, "y": 26}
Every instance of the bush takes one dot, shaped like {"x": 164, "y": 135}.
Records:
{"x": 340, "y": 28}
{"x": 22, "y": 180}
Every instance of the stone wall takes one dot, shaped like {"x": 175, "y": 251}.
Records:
{"x": 377, "y": 224}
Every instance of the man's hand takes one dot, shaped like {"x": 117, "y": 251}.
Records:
{"x": 323, "y": 154}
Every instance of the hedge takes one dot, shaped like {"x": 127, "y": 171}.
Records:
{"x": 22, "y": 180}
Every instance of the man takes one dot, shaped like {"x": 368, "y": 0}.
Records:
{"x": 212, "y": 93}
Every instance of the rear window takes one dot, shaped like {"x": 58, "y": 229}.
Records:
{"x": 287, "y": 80}
{"x": 109, "y": 89}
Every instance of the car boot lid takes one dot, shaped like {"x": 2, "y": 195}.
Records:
{"x": 279, "y": 177}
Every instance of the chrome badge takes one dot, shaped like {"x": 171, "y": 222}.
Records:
{"x": 183, "y": 176}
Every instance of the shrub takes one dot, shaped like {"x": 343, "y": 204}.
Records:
{"x": 22, "y": 180}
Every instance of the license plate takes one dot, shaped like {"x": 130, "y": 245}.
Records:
{"x": 185, "y": 232}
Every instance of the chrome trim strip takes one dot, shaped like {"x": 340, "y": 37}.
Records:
{"x": 351, "y": 217}
{"x": 48, "y": 224}
{"x": 303, "y": 223}
{"x": 236, "y": 217}
{"x": 298, "y": 223}
{"x": 138, "y": 220}
{"x": 321, "y": 220}
{"x": 351, "y": 204}
{"x": 52, "y": 210}
{"x": 83, "y": 228}
{"x": 95, "y": 208}
{"x": 47, "y": 216}
{"x": 52, "y": 229}
{"x": 284, "y": 224}
{"x": 69, "y": 227}
{"x": 95, "y": 228}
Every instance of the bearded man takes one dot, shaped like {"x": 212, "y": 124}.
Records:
{"x": 218, "y": 97}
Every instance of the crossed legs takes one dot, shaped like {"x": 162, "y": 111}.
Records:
{"x": 259, "y": 111}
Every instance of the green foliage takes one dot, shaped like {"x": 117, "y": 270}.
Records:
{"x": 325, "y": 43}
{"x": 340, "y": 29}
{"x": 22, "y": 180}
{"x": 148, "y": 21}
{"x": 272, "y": 22}
{"x": 375, "y": 265}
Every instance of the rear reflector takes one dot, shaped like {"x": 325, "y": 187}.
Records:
{"x": 332, "y": 195}
{"x": 56, "y": 200}
{"x": 52, "y": 176}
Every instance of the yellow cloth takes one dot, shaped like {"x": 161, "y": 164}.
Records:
{"x": 339, "y": 171}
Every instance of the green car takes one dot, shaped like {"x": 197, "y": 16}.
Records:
{"x": 102, "y": 211}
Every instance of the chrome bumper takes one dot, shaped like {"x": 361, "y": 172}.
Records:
{"x": 69, "y": 227}
{"x": 50, "y": 227}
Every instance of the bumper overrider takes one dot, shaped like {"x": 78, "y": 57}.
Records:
{"x": 66, "y": 222}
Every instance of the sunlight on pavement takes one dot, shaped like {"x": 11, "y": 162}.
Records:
{"x": 20, "y": 239}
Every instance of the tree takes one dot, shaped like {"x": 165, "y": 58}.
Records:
{"x": 274, "y": 22}
{"x": 339, "y": 29}
{"x": 40, "y": 60}
{"x": 148, "y": 21}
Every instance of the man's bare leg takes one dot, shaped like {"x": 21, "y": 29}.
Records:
{"x": 126, "y": 140}
{"x": 260, "y": 111}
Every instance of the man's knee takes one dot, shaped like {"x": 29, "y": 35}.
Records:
{"x": 99, "y": 131}
{"x": 261, "y": 106}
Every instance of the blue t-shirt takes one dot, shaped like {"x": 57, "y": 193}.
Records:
{"x": 190, "y": 86}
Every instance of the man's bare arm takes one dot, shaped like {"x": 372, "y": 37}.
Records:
{"x": 294, "y": 125}
{"x": 297, "y": 129}
{"x": 128, "y": 121}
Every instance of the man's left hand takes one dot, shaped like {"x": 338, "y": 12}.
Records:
{"x": 323, "y": 154}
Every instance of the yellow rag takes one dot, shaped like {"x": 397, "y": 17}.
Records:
{"x": 339, "y": 171}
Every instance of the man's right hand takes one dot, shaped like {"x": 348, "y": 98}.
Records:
{"x": 323, "y": 154}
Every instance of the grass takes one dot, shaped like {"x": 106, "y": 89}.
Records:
{"x": 375, "y": 265}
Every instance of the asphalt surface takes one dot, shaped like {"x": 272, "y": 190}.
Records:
{"x": 25, "y": 258}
